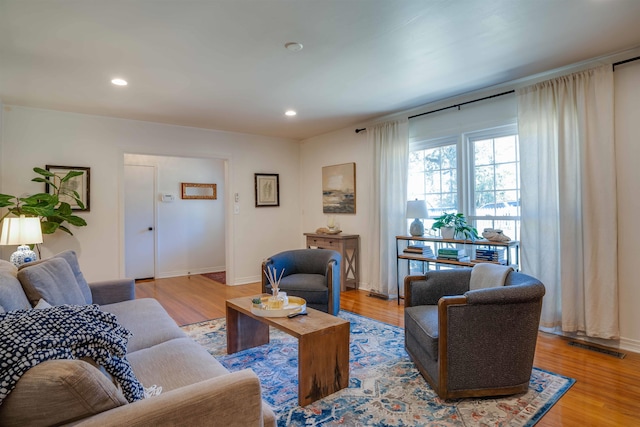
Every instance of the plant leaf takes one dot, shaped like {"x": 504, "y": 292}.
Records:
{"x": 70, "y": 175}
{"x": 43, "y": 172}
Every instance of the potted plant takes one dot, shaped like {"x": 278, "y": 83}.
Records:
{"x": 452, "y": 225}
{"x": 54, "y": 214}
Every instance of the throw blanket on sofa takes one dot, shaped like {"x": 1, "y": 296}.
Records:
{"x": 29, "y": 337}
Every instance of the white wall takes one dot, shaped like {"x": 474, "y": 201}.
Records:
{"x": 343, "y": 146}
{"x": 190, "y": 233}
{"x": 627, "y": 128}
{"x": 36, "y": 137}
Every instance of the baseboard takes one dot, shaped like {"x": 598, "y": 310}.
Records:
{"x": 375, "y": 294}
{"x": 192, "y": 272}
{"x": 621, "y": 344}
{"x": 244, "y": 280}
{"x": 630, "y": 345}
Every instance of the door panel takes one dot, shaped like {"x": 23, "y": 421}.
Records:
{"x": 139, "y": 221}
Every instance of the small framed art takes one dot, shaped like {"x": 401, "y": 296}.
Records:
{"x": 77, "y": 186}
{"x": 267, "y": 189}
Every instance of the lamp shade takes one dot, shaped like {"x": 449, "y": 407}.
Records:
{"x": 21, "y": 231}
{"x": 417, "y": 209}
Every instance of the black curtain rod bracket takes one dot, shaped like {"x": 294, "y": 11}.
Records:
{"x": 360, "y": 130}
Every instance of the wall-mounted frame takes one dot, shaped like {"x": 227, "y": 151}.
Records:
{"x": 191, "y": 190}
{"x": 79, "y": 185}
{"x": 267, "y": 189}
{"x": 339, "y": 188}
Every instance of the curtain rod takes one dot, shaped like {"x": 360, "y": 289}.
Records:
{"x": 493, "y": 96}
{"x": 452, "y": 106}
{"x": 461, "y": 104}
{"x": 625, "y": 61}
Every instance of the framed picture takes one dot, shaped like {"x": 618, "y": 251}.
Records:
{"x": 339, "y": 188}
{"x": 78, "y": 184}
{"x": 267, "y": 189}
{"x": 199, "y": 191}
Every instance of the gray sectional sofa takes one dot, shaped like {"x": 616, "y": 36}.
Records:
{"x": 196, "y": 388}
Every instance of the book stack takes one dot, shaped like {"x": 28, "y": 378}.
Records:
{"x": 491, "y": 255}
{"x": 453, "y": 254}
{"x": 422, "y": 250}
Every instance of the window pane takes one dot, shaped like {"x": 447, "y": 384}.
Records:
{"x": 433, "y": 177}
{"x": 483, "y": 152}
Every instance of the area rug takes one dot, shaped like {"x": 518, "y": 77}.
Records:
{"x": 219, "y": 276}
{"x": 385, "y": 388}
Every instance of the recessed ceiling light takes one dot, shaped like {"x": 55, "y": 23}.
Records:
{"x": 290, "y": 113}
{"x": 294, "y": 46}
{"x": 119, "y": 82}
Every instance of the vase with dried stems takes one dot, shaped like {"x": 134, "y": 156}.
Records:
{"x": 275, "y": 301}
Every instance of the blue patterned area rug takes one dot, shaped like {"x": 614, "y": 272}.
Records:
{"x": 385, "y": 388}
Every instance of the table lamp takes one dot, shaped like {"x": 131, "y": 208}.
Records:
{"x": 417, "y": 209}
{"x": 21, "y": 231}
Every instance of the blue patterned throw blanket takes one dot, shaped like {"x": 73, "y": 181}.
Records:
{"x": 30, "y": 337}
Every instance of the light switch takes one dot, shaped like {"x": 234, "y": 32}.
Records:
{"x": 236, "y": 209}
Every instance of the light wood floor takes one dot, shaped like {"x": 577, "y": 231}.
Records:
{"x": 606, "y": 393}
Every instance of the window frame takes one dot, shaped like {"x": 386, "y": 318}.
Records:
{"x": 465, "y": 159}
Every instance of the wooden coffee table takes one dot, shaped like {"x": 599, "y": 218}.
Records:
{"x": 323, "y": 345}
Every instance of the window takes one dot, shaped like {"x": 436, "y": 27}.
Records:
{"x": 477, "y": 173}
{"x": 433, "y": 175}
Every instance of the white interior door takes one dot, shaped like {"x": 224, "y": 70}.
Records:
{"x": 139, "y": 221}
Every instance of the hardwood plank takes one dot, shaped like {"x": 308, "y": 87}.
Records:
{"x": 606, "y": 393}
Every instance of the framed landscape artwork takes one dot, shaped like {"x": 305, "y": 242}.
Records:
{"x": 267, "y": 189}
{"x": 79, "y": 184}
{"x": 339, "y": 188}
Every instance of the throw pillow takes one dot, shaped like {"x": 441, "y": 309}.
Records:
{"x": 58, "y": 392}
{"x": 52, "y": 280}
{"x": 72, "y": 259}
{"x": 12, "y": 296}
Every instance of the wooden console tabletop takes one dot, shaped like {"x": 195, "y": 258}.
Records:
{"x": 323, "y": 345}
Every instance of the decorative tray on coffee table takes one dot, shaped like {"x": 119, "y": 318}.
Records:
{"x": 295, "y": 305}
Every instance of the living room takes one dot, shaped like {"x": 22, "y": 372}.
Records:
{"x": 37, "y": 135}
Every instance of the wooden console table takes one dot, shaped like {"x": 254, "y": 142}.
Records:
{"x": 436, "y": 243}
{"x": 348, "y": 245}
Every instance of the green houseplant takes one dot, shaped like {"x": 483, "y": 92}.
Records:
{"x": 458, "y": 225}
{"x": 54, "y": 214}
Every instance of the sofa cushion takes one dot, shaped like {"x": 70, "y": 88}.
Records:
{"x": 189, "y": 363}
{"x": 52, "y": 280}
{"x": 12, "y": 296}
{"x": 147, "y": 320}
{"x": 422, "y": 322}
{"x": 57, "y": 392}
{"x": 72, "y": 259}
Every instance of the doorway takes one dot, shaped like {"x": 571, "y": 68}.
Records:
{"x": 190, "y": 234}
{"x": 139, "y": 223}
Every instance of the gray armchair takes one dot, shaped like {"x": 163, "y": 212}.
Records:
{"x": 312, "y": 274}
{"x": 472, "y": 343}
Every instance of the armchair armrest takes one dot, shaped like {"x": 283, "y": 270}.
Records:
{"x": 232, "y": 400}
{"x": 513, "y": 294}
{"x": 429, "y": 288}
{"x": 112, "y": 291}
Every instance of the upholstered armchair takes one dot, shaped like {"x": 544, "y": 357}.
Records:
{"x": 312, "y": 274}
{"x": 472, "y": 343}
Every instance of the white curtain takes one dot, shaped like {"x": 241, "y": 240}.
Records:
{"x": 568, "y": 184}
{"x": 389, "y": 145}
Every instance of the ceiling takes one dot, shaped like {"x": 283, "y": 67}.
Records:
{"x": 221, "y": 64}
